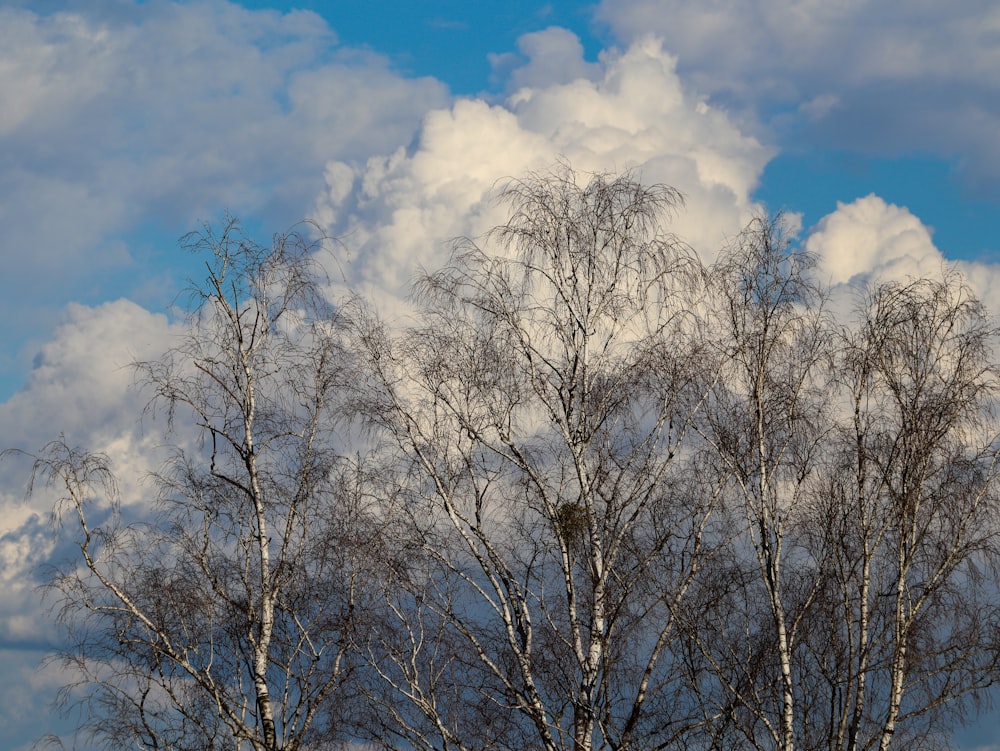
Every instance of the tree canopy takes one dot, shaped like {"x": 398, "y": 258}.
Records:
{"x": 597, "y": 493}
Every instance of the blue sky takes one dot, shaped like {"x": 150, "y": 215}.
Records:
{"x": 124, "y": 123}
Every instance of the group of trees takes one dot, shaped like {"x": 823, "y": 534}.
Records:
{"x": 597, "y": 495}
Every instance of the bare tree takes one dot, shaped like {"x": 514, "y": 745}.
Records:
{"x": 225, "y": 619}
{"x": 855, "y": 607}
{"x": 911, "y": 508}
{"x": 764, "y": 426}
{"x": 609, "y": 500}
{"x": 538, "y": 409}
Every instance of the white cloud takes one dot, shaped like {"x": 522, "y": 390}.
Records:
{"x": 82, "y": 382}
{"x": 630, "y": 113}
{"x": 871, "y": 237}
{"x": 81, "y": 386}
{"x": 914, "y": 76}
{"x": 24, "y": 621}
{"x": 869, "y": 241}
{"x": 548, "y": 57}
{"x": 793, "y": 44}
{"x": 120, "y": 116}
{"x": 123, "y": 114}
{"x": 169, "y": 111}
{"x": 185, "y": 107}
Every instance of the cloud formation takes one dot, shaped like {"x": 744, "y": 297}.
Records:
{"x": 862, "y": 75}
{"x": 869, "y": 241}
{"x": 630, "y": 111}
{"x": 868, "y": 238}
{"x": 123, "y": 116}
{"x": 81, "y": 389}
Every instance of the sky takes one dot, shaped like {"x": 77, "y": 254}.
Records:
{"x": 125, "y": 124}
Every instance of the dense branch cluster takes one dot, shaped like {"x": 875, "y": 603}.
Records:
{"x": 597, "y": 495}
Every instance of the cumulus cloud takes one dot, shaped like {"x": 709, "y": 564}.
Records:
{"x": 868, "y": 241}
{"x": 869, "y": 237}
{"x": 630, "y": 112}
{"x": 195, "y": 105}
{"x": 117, "y": 116}
{"x": 82, "y": 382}
{"x": 81, "y": 386}
{"x": 857, "y": 75}
{"x": 551, "y": 56}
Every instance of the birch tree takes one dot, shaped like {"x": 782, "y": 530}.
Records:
{"x": 856, "y": 609}
{"x": 911, "y": 509}
{"x": 764, "y": 428}
{"x": 539, "y": 407}
{"x": 224, "y": 620}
